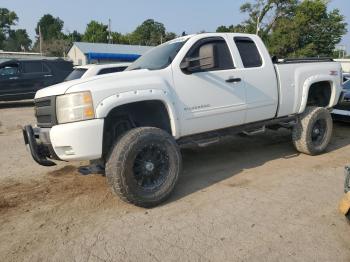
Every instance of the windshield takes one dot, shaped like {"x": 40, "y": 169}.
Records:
{"x": 76, "y": 74}
{"x": 158, "y": 58}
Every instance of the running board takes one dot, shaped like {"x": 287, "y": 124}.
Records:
{"x": 207, "y": 142}
{"x": 255, "y": 132}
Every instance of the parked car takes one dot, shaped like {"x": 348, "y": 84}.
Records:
{"x": 91, "y": 70}
{"x": 341, "y": 111}
{"x": 21, "y": 79}
{"x": 193, "y": 90}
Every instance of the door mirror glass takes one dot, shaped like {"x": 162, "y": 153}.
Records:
{"x": 205, "y": 61}
{"x": 207, "y": 57}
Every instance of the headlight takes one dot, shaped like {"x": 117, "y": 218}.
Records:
{"x": 74, "y": 107}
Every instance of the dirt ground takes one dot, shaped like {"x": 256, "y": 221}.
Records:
{"x": 248, "y": 199}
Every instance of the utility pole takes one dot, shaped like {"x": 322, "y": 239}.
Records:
{"x": 40, "y": 42}
{"x": 109, "y": 31}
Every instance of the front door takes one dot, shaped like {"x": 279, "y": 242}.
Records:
{"x": 10, "y": 80}
{"x": 210, "y": 99}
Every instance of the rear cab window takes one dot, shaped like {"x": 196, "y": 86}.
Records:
{"x": 111, "y": 70}
{"x": 249, "y": 52}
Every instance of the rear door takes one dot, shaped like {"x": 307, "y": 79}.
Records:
{"x": 256, "y": 70}
{"x": 35, "y": 75}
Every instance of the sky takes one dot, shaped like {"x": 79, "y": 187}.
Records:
{"x": 177, "y": 16}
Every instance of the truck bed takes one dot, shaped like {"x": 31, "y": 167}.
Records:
{"x": 293, "y": 73}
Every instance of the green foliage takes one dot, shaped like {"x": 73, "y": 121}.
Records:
{"x": 118, "y": 38}
{"x": 311, "y": 32}
{"x": 149, "y": 32}
{"x": 169, "y": 36}
{"x": 293, "y": 28}
{"x": 7, "y": 19}
{"x": 75, "y": 36}
{"x": 51, "y": 28}
{"x": 96, "y": 33}
{"x": 12, "y": 40}
{"x": 18, "y": 40}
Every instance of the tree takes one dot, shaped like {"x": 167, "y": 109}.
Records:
{"x": 96, "y": 33}
{"x": 50, "y": 27}
{"x": 262, "y": 16}
{"x": 169, "y": 36}
{"x": 7, "y": 19}
{"x": 75, "y": 36}
{"x": 150, "y": 32}
{"x": 293, "y": 28}
{"x": 118, "y": 38}
{"x": 312, "y": 31}
{"x": 18, "y": 40}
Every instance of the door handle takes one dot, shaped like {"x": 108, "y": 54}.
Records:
{"x": 14, "y": 78}
{"x": 233, "y": 80}
{"x": 47, "y": 75}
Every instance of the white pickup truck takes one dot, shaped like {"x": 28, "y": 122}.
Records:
{"x": 191, "y": 90}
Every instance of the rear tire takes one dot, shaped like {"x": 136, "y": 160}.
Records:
{"x": 144, "y": 166}
{"x": 313, "y": 131}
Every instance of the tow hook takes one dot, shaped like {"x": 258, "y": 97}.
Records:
{"x": 344, "y": 206}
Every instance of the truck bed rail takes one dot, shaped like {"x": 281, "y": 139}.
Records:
{"x": 305, "y": 60}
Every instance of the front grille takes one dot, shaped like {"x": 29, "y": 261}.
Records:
{"x": 45, "y": 111}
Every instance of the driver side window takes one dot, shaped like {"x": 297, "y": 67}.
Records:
{"x": 222, "y": 55}
{"x": 9, "y": 70}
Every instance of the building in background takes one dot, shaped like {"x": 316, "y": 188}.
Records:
{"x": 96, "y": 53}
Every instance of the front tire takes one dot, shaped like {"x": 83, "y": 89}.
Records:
{"x": 144, "y": 166}
{"x": 313, "y": 131}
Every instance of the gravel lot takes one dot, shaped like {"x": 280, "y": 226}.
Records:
{"x": 248, "y": 199}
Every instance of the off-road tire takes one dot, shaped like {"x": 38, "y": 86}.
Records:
{"x": 121, "y": 174}
{"x": 302, "y": 133}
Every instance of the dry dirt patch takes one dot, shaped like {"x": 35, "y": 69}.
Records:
{"x": 57, "y": 186}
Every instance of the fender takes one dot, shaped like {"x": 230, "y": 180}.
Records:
{"x": 111, "y": 102}
{"x": 315, "y": 79}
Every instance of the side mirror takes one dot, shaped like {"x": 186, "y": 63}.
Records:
{"x": 207, "y": 57}
{"x": 205, "y": 61}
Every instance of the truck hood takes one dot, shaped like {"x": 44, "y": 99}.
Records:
{"x": 86, "y": 84}
{"x": 58, "y": 89}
